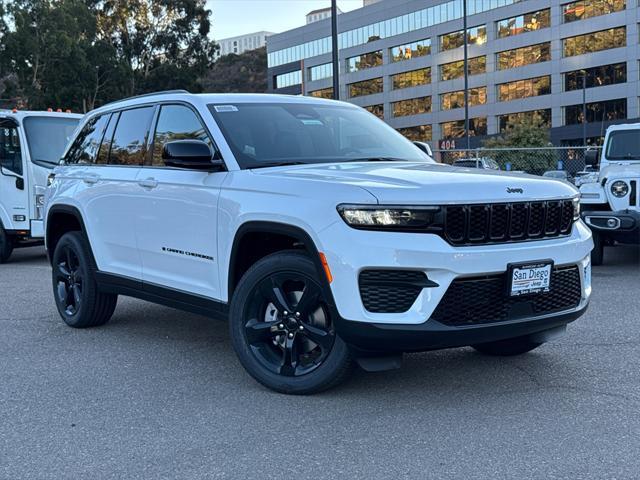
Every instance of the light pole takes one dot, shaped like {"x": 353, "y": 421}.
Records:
{"x": 466, "y": 75}
{"x": 334, "y": 49}
{"x": 584, "y": 108}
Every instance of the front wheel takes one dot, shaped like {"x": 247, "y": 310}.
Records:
{"x": 6, "y": 245}
{"x": 508, "y": 347}
{"x": 282, "y": 329}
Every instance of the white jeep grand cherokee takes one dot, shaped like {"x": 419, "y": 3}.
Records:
{"x": 325, "y": 237}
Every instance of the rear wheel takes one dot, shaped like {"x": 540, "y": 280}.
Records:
{"x": 282, "y": 329}
{"x": 79, "y": 302}
{"x": 509, "y": 347}
{"x": 6, "y": 245}
{"x": 597, "y": 254}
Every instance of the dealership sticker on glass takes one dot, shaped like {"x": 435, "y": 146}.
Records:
{"x": 531, "y": 278}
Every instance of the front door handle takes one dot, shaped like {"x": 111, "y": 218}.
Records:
{"x": 148, "y": 183}
{"x": 90, "y": 179}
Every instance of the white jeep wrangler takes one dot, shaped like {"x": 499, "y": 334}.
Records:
{"x": 611, "y": 202}
{"x": 31, "y": 144}
{"x": 323, "y": 235}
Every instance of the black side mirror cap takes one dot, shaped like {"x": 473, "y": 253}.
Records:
{"x": 191, "y": 155}
{"x": 591, "y": 157}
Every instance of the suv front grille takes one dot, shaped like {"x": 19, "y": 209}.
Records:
{"x": 507, "y": 222}
{"x": 472, "y": 301}
{"x": 391, "y": 291}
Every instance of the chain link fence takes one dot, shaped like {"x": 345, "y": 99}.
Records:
{"x": 537, "y": 161}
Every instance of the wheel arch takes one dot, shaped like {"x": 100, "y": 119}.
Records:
{"x": 287, "y": 235}
{"x": 60, "y": 220}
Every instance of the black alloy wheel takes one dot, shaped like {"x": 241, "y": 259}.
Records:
{"x": 69, "y": 280}
{"x": 282, "y": 328}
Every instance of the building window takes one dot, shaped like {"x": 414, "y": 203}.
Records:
{"x": 366, "y": 60}
{"x": 365, "y": 87}
{"x": 531, "y": 87}
{"x": 421, "y": 133}
{"x": 476, "y": 65}
{"x": 321, "y": 71}
{"x": 475, "y": 36}
{"x": 596, "y": 76}
{"x": 541, "y": 117}
{"x": 477, "y": 127}
{"x": 591, "y": 8}
{"x": 528, "y": 22}
{"x": 451, "y": 100}
{"x": 413, "y": 106}
{"x": 410, "y": 50}
{"x": 323, "y": 93}
{"x": 411, "y": 79}
{"x": 597, "y": 111}
{"x": 595, "y": 42}
{"x": 377, "y": 110}
{"x": 289, "y": 79}
{"x": 519, "y": 57}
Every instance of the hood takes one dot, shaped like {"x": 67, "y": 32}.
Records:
{"x": 428, "y": 183}
{"x": 620, "y": 171}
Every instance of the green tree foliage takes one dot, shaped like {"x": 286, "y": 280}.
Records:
{"x": 511, "y": 147}
{"x": 244, "y": 73}
{"x": 80, "y": 54}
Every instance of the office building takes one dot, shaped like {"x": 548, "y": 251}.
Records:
{"x": 321, "y": 14}
{"x": 403, "y": 61}
{"x": 242, "y": 43}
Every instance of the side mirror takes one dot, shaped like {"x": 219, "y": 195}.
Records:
{"x": 591, "y": 157}
{"x": 424, "y": 147}
{"x": 8, "y": 173}
{"x": 190, "y": 154}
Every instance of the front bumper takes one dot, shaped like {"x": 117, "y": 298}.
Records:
{"x": 623, "y": 225}
{"x": 350, "y": 251}
{"x": 380, "y": 338}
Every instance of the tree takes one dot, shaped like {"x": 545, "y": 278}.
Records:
{"x": 527, "y": 134}
{"x": 244, "y": 73}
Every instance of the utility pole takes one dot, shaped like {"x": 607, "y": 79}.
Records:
{"x": 584, "y": 108}
{"x": 334, "y": 49}
{"x": 466, "y": 75}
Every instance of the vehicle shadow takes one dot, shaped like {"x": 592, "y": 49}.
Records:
{"x": 28, "y": 256}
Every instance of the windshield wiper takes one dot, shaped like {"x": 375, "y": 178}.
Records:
{"x": 377, "y": 159}
{"x": 45, "y": 163}
{"x": 276, "y": 164}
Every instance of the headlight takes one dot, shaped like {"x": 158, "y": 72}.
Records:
{"x": 576, "y": 208}
{"x": 619, "y": 188}
{"x": 378, "y": 217}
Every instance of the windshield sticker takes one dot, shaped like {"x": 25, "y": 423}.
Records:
{"x": 312, "y": 122}
{"x": 225, "y": 108}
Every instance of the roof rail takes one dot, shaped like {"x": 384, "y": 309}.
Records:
{"x": 150, "y": 94}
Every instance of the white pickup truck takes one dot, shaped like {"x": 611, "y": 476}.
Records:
{"x": 31, "y": 144}
{"x": 611, "y": 203}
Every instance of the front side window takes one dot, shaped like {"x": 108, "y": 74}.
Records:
{"x": 10, "y": 151}
{"x": 624, "y": 145}
{"x": 85, "y": 146}
{"x": 267, "y": 134}
{"x": 177, "y": 122}
{"x": 130, "y": 138}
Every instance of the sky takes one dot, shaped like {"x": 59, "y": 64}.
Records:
{"x": 237, "y": 17}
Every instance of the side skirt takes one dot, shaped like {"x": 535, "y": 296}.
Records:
{"x": 169, "y": 297}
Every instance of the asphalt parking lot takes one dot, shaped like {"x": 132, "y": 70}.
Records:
{"x": 159, "y": 394}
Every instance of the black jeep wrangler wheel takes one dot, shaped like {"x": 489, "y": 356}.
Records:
{"x": 281, "y": 327}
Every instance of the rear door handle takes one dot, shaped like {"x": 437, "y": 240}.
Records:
{"x": 148, "y": 183}
{"x": 90, "y": 179}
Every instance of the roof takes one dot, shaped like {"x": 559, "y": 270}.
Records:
{"x": 21, "y": 114}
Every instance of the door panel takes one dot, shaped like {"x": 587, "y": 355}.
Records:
{"x": 14, "y": 201}
{"x": 177, "y": 223}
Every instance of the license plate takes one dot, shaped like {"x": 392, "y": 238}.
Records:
{"x": 531, "y": 278}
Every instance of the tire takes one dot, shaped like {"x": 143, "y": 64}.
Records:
{"x": 6, "y": 245}
{"x": 508, "y": 347}
{"x": 287, "y": 352}
{"x": 597, "y": 254}
{"x": 75, "y": 290}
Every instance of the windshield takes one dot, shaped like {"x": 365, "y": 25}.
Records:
{"x": 267, "y": 134}
{"x": 624, "y": 145}
{"x": 47, "y": 137}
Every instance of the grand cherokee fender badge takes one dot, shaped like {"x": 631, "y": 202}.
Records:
{"x": 514, "y": 190}
{"x": 187, "y": 254}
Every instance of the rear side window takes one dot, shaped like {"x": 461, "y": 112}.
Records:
{"x": 105, "y": 148}
{"x": 10, "y": 152}
{"x": 85, "y": 147}
{"x": 177, "y": 122}
{"x": 130, "y": 137}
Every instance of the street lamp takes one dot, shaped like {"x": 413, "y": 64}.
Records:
{"x": 334, "y": 49}
{"x": 584, "y": 107}
{"x": 466, "y": 74}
